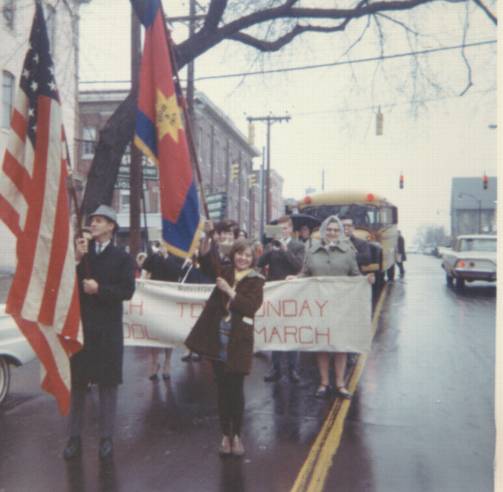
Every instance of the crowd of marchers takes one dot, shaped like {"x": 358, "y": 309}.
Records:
{"x": 224, "y": 332}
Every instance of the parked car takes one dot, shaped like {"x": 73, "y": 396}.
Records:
{"x": 473, "y": 257}
{"x": 14, "y": 350}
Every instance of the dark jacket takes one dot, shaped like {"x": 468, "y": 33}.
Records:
{"x": 204, "y": 336}
{"x": 363, "y": 255}
{"x": 284, "y": 263}
{"x": 161, "y": 268}
{"x": 100, "y": 360}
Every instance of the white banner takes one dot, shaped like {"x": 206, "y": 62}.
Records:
{"x": 310, "y": 314}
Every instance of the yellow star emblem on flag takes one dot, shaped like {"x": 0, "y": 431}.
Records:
{"x": 168, "y": 116}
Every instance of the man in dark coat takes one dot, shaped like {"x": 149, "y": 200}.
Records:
{"x": 161, "y": 266}
{"x": 106, "y": 279}
{"x": 400, "y": 253}
{"x": 285, "y": 257}
{"x": 362, "y": 247}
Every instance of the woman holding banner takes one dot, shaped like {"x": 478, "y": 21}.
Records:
{"x": 224, "y": 333}
{"x": 332, "y": 256}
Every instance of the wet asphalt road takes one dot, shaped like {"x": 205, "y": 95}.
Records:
{"x": 422, "y": 418}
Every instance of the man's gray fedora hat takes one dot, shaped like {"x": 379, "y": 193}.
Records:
{"x": 107, "y": 212}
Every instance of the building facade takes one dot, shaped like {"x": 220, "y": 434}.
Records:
{"x": 473, "y": 208}
{"x": 224, "y": 154}
{"x": 226, "y": 163}
{"x": 62, "y": 26}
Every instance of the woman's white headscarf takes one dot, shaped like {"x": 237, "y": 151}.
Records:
{"x": 324, "y": 225}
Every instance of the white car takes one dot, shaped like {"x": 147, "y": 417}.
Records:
{"x": 473, "y": 257}
{"x": 14, "y": 350}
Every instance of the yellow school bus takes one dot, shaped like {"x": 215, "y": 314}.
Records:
{"x": 374, "y": 218}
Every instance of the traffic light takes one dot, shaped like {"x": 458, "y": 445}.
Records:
{"x": 252, "y": 180}
{"x": 485, "y": 181}
{"x": 234, "y": 171}
{"x": 379, "y": 122}
{"x": 401, "y": 181}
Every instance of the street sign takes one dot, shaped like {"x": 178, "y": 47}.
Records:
{"x": 123, "y": 184}
{"x": 149, "y": 172}
{"x": 217, "y": 205}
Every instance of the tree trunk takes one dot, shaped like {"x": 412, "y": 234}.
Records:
{"x": 113, "y": 140}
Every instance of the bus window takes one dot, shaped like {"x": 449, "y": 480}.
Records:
{"x": 394, "y": 212}
{"x": 386, "y": 216}
{"x": 372, "y": 216}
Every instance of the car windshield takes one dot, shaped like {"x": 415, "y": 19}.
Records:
{"x": 477, "y": 244}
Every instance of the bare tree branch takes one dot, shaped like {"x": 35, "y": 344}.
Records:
{"x": 489, "y": 14}
{"x": 215, "y": 13}
{"x": 400, "y": 23}
{"x": 205, "y": 40}
{"x": 277, "y": 44}
{"x": 463, "y": 54}
{"x": 357, "y": 40}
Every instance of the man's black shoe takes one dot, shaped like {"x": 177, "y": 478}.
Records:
{"x": 72, "y": 449}
{"x": 272, "y": 377}
{"x": 106, "y": 448}
{"x": 293, "y": 376}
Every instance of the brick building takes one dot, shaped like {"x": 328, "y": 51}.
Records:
{"x": 225, "y": 160}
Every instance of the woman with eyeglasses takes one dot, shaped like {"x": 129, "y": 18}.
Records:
{"x": 332, "y": 256}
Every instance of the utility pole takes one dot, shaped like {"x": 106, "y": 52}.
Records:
{"x": 269, "y": 120}
{"x": 135, "y": 171}
{"x": 262, "y": 179}
{"x": 190, "y": 66}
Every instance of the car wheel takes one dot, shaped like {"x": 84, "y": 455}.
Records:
{"x": 449, "y": 280}
{"x": 4, "y": 378}
{"x": 460, "y": 283}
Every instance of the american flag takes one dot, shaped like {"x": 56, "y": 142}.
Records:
{"x": 43, "y": 298}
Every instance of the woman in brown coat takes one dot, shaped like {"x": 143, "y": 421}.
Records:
{"x": 224, "y": 333}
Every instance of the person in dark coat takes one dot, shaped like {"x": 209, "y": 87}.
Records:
{"x": 191, "y": 274}
{"x": 217, "y": 242}
{"x": 161, "y": 266}
{"x": 362, "y": 247}
{"x": 106, "y": 278}
{"x": 285, "y": 257}
{"x": 400, "y": 253}
{"x": 224, "y": 333}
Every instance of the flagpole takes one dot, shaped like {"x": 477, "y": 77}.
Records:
{"x": 188, "y": 124}
{"x": 78, "y": 210}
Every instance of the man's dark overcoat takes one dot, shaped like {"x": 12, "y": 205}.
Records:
{"x": 204, "y": 337}
{"x": 283, "y": 263}
{"x": 363, "y": 253}
{"x": 100, "y": 361}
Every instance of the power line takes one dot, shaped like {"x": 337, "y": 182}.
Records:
{"x": 320, "y": 65}
{"x": 349, "y": 62}
{"x": 391, "y": 105}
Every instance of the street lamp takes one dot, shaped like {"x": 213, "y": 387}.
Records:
{"x": 479, "y": 201}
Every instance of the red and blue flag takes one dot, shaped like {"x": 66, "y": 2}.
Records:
{"x": 160, "y": 134}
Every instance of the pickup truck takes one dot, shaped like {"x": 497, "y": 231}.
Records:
{"x": 473, "y": 257}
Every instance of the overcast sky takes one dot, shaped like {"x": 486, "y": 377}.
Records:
{"x": 333, "y": 108}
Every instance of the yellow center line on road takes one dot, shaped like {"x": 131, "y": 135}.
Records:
{"x": 314, "y": 471}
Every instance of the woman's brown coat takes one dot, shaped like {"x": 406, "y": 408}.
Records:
{"x": 204, "y": 337}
